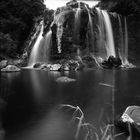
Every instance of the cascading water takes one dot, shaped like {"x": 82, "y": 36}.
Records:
{"x": 110, "y": 47}
{"x": 121, "y": 49}
{"x": 91, "y": 27}
{"x": 40, "y": 50}
{"x": 126, "y": 42}
{"x": 101, "y": 35}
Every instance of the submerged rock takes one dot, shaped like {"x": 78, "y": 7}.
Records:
{"x": 11, "y": 68}
{"x": 65, "y": 79}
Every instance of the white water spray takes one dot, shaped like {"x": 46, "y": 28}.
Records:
{"x": 110, "y": 46}
{"x": 40, "y": 50}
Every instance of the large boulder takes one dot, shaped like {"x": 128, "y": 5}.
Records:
{"x": 112, "y": 62}
{"x": 129, "y": 122}
{"x": 11, "y": 68}
{"x": 89, "y": 61}
{"x": 132, "y": 115}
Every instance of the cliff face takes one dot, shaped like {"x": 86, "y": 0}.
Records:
{"x": 70, "y": 29}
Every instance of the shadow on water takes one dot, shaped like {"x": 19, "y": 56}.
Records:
{"x": 33, "y": 99}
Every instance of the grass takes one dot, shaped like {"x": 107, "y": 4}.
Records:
{"x": 105, "y": 132}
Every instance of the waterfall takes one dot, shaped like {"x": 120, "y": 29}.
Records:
{"x": 126, "y": 42}
{"x": 110, "y": 47}
{"x": 90, "y": 27}
{"x": 101, "y": 35}
{"x": 77, "y": 23}
{"x": 40, "y": 50}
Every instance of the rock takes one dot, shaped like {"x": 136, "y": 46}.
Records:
{"x": 89, "y": 61}
{"x": 15, "y": 62}
{"x": 72, "y": 3}
{"x": 3, "y": 64}
{"x": 11, "y": 68}
{"x": 65, "y": 67}
{"x": 37, "y": 65}
{"x": 132, "y": 115}
{"x": 54, "y": 67}
{"x": 65, "y": 79}
{"x": 129, "y": 122}
{"x": 112, "y": 62}
{"x": 40, "y": 66}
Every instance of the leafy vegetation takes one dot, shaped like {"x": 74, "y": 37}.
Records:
{"x": 124, "y": 7}
{"x": 16, "y": 21}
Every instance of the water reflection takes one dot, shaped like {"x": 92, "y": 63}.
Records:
{"x": 34, "y": 96}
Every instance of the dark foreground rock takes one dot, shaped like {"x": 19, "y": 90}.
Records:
{"x": 112, "y": 62}
{"x": 129, "y": 122}
{"x": 65, "y": 79}
{"x": 11, "y": 68}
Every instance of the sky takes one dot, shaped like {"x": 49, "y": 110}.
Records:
{"x": 53, "y": 4}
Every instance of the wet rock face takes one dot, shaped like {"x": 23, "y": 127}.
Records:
{"x": 66, "y": 34}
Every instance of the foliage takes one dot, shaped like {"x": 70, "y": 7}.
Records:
{"x": 124, "y": 7}
{"x": 16, "y": 20}
{"x": 7, "y": 44}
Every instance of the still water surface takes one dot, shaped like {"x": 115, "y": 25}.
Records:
{"x": 34, "y": 97}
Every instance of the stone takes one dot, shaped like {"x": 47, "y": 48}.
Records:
{"x": 11, "y": 68}
{"x": 112, "y": 62}
{"x": 37, "y": 65}
{"x": 73, "y": 65}
{"x": 72, "y": 4}
{"x": 65, "y": 79}
{"x": 3, "y": 64}
{"x": 54, "y": 67}
{"x": 3, "y": 103}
